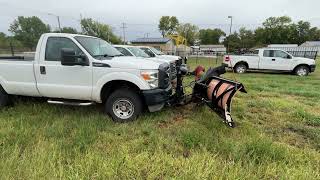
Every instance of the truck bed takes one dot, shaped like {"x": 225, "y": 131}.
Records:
{"x": 17, "y": 76}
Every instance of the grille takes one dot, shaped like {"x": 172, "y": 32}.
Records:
{"x": 173, "y": 71}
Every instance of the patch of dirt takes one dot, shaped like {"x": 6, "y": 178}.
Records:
{"x": 294, "y": 137}
{"x": 179, "y": 117}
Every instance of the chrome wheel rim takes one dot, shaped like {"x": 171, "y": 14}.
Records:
{"x": 302, "y": 72}
{"x": 123, "y": 108}
{"x": 241, "y": 69}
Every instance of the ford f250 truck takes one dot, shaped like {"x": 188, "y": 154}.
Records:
{"x": 137, "y": 52}
{"x": 270, "y": 59}
{"x": 75, "y": 69}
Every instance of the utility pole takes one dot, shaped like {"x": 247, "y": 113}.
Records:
{"x": 58, "y": 18}
{"x": 230, "y": 17}
{"x": 234, "y": 77}
{"x": 123, "y": 27}
{"x": 59, "y": 23}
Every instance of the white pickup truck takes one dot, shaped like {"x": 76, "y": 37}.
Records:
{"x": 153, "y": 52}
{"x": 127, "y": 50}
{"x": 75, "y": 69}
{"x": 270, "y": 59}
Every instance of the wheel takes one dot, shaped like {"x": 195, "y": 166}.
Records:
{"x": 4, "y": 98}
{"x": 240, "y": 68}
{"x": 302, "y": 71}
{"x": 123, "y": 105}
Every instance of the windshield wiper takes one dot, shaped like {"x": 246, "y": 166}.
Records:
{"x": 118, "y": 55}
{"x": 107, "y": 55}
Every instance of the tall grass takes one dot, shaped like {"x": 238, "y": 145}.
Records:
{"x": 277, "y": 137}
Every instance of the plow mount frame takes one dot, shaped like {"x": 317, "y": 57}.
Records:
{"x": 219, "y": 100}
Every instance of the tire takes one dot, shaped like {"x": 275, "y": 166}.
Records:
{"x": 123, "y": 105}
{"x": 4, "y": 98}
{"x": 240, "y": 68}
{"x": 302, "y": 71}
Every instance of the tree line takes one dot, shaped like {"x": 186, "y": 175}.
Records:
{"x": 26, "y": 32}
{"x": 275, "y": 30}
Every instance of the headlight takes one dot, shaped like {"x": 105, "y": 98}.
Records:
{"x": 151, "y": 77}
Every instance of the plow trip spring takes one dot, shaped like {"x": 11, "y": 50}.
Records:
{"x": 216, "y": 92}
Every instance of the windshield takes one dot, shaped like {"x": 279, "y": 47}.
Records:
{"x": 156, "y": 51}
{"x": 98, "y": 48}
{"x": 138, "y": 52}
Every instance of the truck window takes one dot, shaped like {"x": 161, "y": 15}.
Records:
{"x": 148, "y": 51}
{"x": 281, "y": 54}
{"x": 268, "y": 53}
{"x": 138, "y": 52}
{"x": 54, "y": 46}
{"x": 124, "y": 51}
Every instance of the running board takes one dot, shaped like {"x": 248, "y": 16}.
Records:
{"x": 71, "y": 103}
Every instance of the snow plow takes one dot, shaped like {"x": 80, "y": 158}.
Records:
{"x": 208, "y": 88}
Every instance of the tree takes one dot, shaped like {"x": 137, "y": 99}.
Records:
{"x": 3, "y": 40}
{"x": 69, "y": 30}
{"x": 168, "y": 25}
{"x": 233, "y": 41}
{"x": 28, "y": 30}
{"x": 211, "y": 36}
{"x": 277, "y": 30}
{"x": 188, "y": 31}
{"x": 247, "y": 38}
{"x": 97, "y": 29}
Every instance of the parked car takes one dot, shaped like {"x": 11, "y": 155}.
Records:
{"x": 81, "y": 70}
{"x": 153, "y": 52}
{"x": 131, "y": 51}
{"x": 270, "y": 59}
{"x": 139, "y": 52}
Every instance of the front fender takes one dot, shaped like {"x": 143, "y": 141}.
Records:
{"x": 116, "y": 76}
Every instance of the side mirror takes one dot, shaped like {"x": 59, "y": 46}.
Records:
{"x": 69, "y": 58}
{"x": 289, "y": 57}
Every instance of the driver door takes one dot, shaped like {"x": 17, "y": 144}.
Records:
{"x": 275, "y": 60}
{"x": 57, "y": 81}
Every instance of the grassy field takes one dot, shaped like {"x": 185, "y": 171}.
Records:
{"x": 277, "y": 137}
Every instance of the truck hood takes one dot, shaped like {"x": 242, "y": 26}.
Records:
{"x": 126, "y": 62}
{"x": 158, "y": 60}
{"x": 169, "y": 57}
{"x": 305, "y": 60}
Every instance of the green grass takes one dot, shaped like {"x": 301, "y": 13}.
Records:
{"x": 277, "y": 137}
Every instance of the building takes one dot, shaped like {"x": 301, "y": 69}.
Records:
{"x": 311, "y": 44}
{"x": 315, "y": 45}
{"x": 209, "y": 50}
{"x": 282, "y": 45}
{"x": 165, "y": 45}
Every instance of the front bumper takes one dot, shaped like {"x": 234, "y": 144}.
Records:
{"x": 157, "y": 96}
{"x": 312, "y": 68}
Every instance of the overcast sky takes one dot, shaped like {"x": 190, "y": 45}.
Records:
{"x": 142, "y": 16}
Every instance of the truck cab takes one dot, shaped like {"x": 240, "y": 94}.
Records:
{"x": 268, "y": 59}
{"x": 81, "y": 70}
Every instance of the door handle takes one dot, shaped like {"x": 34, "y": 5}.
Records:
{"x": 273, "y": 59}
{"x": 42, "y": 70}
